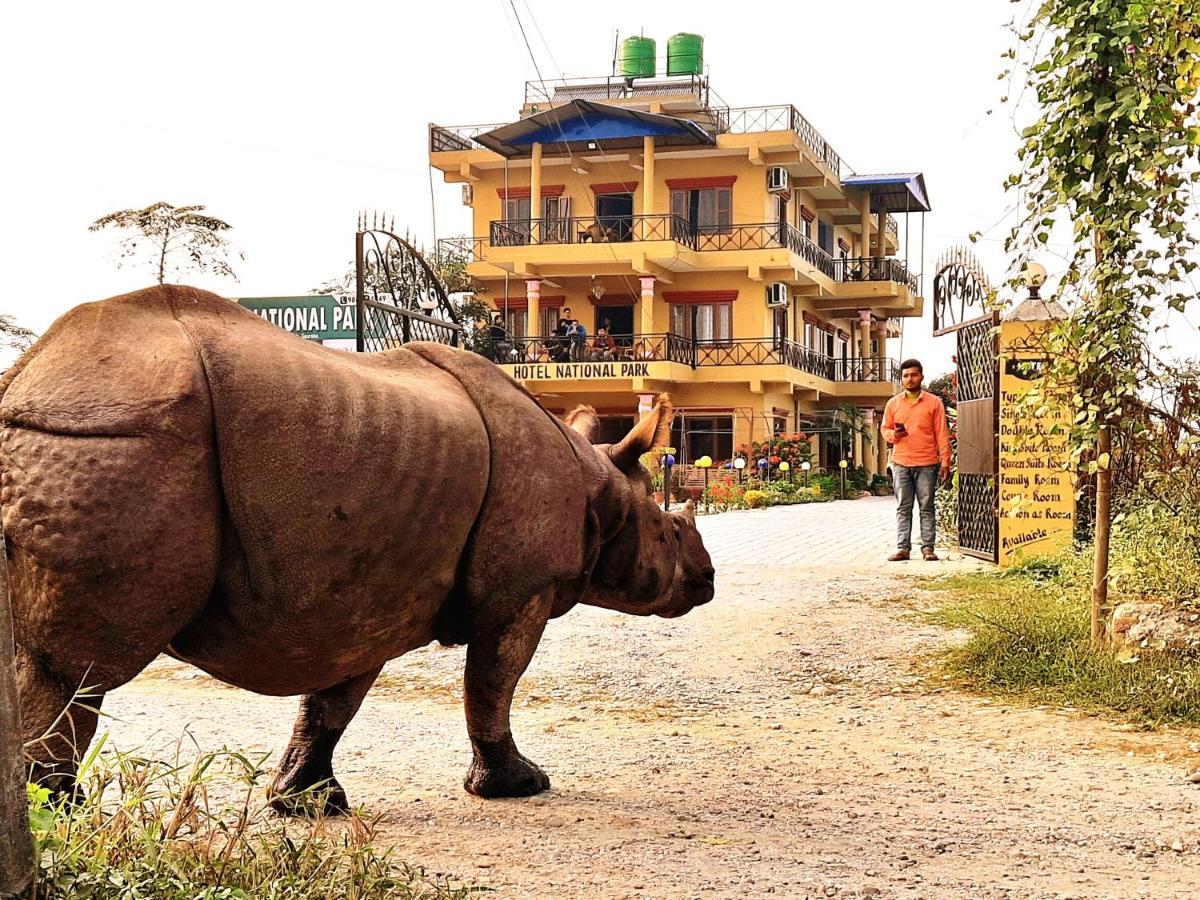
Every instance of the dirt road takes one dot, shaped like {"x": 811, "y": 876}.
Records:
{"x": 777, "y": 741}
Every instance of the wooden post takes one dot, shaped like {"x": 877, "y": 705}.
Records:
{"x": 16, "y": 843}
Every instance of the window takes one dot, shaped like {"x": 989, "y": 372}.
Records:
{"x": 515, "y": 321}
{"x": 707, "y": 211}
{"x": 549, "y": 319}
{"x": 556, "y": 220}
{"x": 825, "y": 236}
{"x": 704, "y": 322}
{"x": 779, "y": 426}
{"x": 779, "y": 326}
{"x": 706, "y": 435}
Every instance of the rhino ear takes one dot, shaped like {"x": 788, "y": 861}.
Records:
{"x": 585, "y": 421}
{"x": 688, "y": 512}
{"x": 654, "y": 430}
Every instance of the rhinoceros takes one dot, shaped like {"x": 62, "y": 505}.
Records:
{"x": 179, "y": 476}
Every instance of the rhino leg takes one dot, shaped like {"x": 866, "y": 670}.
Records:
{"x": 495, "y": 663}
{"x": 306, "y": 771}
{"x": 58, "y": 718}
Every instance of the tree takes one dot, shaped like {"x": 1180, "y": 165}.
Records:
{"x": 171, "y": 237}
{"x": 15, "y": 335}
{"x": 1113, "y": 153}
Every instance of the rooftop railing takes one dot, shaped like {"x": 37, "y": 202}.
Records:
{"x": 457, "y": 137}
{"x": 746, "y": 119}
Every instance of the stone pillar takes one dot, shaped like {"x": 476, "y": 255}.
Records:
{"x": 645, "y": 404}
{"x": 535, "y": 192}
{"x": 865, "y": 224}
{"x": 533, "y": 297}
{"x": 864, "y": 342}
{"x": 648, "y": 208}
{"x": 646, "y": 317}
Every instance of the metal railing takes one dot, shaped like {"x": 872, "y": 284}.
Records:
{"x": 892, "y": 226}
{"x": 664, "y": 347}
{"x": 874, "y": 370}
{"x": 745, "y": 119}
{"x": 463, "y": 248}
{"x": 871, "y": 268}
{"x": 670, "y": 347}
{"x": 457, "y": 137}
{"x": 615, "y": 87}
{"x": 592, "y": 229}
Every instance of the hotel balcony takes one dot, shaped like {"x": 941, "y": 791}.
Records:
{"x": 663, "y": 244}
{"x": 670, "y": 357}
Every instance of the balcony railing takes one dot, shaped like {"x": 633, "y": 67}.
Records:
{"x": 456, "y": 137}
{"x": 873, "y": 269}
{"x": 742, "y": 120}
{"x": 621, "y": 229}
{"x": 670, "y": 347}
{"x": 595, "y": 230}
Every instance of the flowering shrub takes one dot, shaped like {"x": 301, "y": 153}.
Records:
{"x": 755, "y": 499}
{"x": 793, "y": 449}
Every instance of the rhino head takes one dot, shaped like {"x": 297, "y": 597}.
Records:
{"x": 647, "y": 561}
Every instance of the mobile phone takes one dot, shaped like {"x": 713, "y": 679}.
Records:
{"x": 900, "y": 429}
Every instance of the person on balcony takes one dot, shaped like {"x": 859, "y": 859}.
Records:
{"x": 577, "y": 334}
{"x": 604, "y": 347}
{"x": 501, "y": 341}
{"x": 914, "y": 423}
{"x": 559, "y": 348}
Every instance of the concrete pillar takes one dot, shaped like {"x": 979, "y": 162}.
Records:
{"x": 870, "y": 457}
{"x": 533, "y": 297}
{"x": 881, "y": 333}
{"x": 881, "y": 250}
{"x": 535, "y": 192}
{"x": 864, "y": 340}
{"x": 645, "y": 404}
{"x": 864, "y": 249}
{"x": 881, "y": 450}
{"x": 646, "y": 317}
{"x": 648, "y": 208}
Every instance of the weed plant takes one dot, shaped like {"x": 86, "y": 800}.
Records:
{"x": 201, "y": 830}
{"x": 1029, "y": 626}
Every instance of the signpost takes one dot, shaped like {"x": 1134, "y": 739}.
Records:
{"x": 1036, "y": 492}
{"x": 318, "y": 317}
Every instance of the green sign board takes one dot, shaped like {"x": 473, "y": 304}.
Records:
{"x": 319, "y": 317}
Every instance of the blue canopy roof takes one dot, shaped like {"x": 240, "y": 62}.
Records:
{"x": 574, "y": 125}
{"x": 903, "y": 192}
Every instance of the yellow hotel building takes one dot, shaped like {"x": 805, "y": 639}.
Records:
{"x": 729, "y": 253}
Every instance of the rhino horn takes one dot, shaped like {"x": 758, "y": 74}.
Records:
{"x": 585, "y": 421}
{"x": 654, "y": 430}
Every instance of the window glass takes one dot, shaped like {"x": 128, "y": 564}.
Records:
{"x": 515, "y": 322}
{"x": 549, "y": 319}
{"x": 708, "y": 322}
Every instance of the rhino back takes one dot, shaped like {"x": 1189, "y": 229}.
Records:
{"x": 351, "y": 485}
{"x": 109, "y": 486}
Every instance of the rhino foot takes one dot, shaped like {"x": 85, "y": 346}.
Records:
{"x": 326, "y": 799}
{"x": 513, "y": 776}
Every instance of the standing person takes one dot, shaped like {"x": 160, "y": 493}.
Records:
{"x": 914, "y": 423}
{"x": 561, "y": 348}
{"x": 501, "y": 342}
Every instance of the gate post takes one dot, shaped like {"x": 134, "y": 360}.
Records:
{"x": 16, "y": 843}
{"x": 360, "y": 308}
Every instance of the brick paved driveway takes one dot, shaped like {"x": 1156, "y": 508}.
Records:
{"x": 849, "y": 534}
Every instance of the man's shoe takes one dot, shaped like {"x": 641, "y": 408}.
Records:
{"x": 928, "y": 554}
{"x": 899, "y": 556}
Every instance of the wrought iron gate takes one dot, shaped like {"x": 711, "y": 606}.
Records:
{"x": 399, "y": 298}
{"x": 960, "y": 294}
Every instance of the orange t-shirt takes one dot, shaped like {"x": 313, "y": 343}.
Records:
{"x": 927, "y": 438}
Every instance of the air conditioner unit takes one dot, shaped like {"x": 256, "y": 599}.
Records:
{"x": 468, "y": 194}
{"x": 777, "y": 295}
{"x": 777, "y": 180}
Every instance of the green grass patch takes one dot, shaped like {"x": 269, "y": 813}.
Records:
{"x": 201, "y": 830}
{"x": 1028, "y": 639}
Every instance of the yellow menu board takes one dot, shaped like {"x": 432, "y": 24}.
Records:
{"x": 1036, "y": 492}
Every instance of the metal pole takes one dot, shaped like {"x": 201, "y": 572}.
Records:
{"x": 16, "y": 843}
{"x": 666, "y": 488}
{"x": 360, "y": 308}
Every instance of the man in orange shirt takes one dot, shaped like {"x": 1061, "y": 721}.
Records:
{"x": 914, "y": 423}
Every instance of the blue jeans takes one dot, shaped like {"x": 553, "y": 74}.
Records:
{"x": 919, "y": 482}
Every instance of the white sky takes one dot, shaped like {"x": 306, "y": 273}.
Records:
{"x": 286, "y": 119}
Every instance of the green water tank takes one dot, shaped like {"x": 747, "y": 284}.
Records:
{"x": 637, "y": 57}
{"x": 685, "y": 54}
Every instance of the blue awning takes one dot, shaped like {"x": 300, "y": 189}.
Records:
{"x": 903, "y": 192}
{"x": 573, "y": 126}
